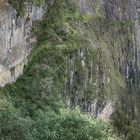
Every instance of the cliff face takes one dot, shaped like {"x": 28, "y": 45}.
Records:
{"x": 88, "y": 55}
{"x": 102, "y": 77}
{"x": 108, "y": 77}
{"x": 16, "y": 39}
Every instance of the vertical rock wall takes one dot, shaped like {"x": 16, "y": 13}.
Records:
{"x": 108, "y": 77}
{"x": 97, "y": 76}
{"x": 16, "y": 39}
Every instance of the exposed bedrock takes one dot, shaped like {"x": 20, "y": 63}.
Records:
{"x": 16, "y": 38}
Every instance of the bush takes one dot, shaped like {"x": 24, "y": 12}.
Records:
{"x": 65, "y": 125}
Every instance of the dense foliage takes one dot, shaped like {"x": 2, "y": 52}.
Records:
{"x": 67, "y": 124}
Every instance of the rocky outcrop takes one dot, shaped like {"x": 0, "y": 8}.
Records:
{"x": 16, "y": 38}
{"x": 109, "y": 75}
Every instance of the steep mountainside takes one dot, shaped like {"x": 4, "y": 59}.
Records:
{"x": 86, "y": 54}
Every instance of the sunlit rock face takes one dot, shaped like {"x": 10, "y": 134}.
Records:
{"x": 16, "y": 39}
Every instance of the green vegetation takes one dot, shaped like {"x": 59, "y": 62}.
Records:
{"x": 32, "y": 107}
{"x": 68, "y": 124}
